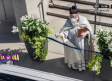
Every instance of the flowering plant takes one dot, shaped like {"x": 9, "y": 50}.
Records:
{"x": 34, "y": 31}
{"x": 104, "y": 42}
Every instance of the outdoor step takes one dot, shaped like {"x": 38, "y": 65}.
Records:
{"x": 104, "y": 21}
{"x": 90, "y": 2}
{"x": 84, "y": 8}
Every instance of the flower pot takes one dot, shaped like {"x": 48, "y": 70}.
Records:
{"x": 32, "y": 50}
{"x": 106, "y": 70}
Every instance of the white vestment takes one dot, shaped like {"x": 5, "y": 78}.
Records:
{"x": 77, "y": 59}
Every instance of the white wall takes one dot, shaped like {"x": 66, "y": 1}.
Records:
{"x": 6, "y": 10}
{"x": 28, "y": 7}
{"x": 19, "y": 10}
{"x": 8, "y": 5}
{"x": 2, "y": 13}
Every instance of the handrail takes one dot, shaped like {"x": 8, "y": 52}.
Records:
{"x": 41, "y": 3}
{"x": 96, "y": 11}
{"x": 51, "y": 1}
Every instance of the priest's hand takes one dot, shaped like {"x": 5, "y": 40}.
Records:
{"x": 60, "y": 35}
{"x": 84, "y": 34}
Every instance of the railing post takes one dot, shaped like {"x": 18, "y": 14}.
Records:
{"x": 41, "y": 2}
{"x": 43, "y": 11}
{"x": 96, "y": 10}
{"x": 51, "y": 3}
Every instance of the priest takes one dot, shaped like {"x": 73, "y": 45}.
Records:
{"x": 76, "y": 59}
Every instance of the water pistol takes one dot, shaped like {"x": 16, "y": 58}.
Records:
{"x": 56, "y": 34}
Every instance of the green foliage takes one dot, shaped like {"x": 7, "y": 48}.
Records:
{"x": 96, "y": 61}
{"x": 104, "y": 43}
{"x": 34, "y": 30}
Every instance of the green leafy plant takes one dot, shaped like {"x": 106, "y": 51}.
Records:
{"x": 96, "y": 61}
{"x": 32, "y": 29}
{"x": 104, "y": 42}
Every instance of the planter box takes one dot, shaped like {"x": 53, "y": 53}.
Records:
{"x": 32, "y": 50}
{"x": 106, "y": 70}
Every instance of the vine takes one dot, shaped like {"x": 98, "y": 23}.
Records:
{"x": 96, "y": 61}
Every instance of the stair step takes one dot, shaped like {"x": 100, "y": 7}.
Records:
{"x": 81, "y": 8}
{"x": 104, "y": 21}
{"x": 90, "y": 2}
{"x": 69, "y": 4}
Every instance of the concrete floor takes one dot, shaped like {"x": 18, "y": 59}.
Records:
{"x": 54, "y": 63}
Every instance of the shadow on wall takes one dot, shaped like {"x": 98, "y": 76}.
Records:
{"x": 6, "y": 36}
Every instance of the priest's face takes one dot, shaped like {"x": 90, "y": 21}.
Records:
{"x": 75, "y": 16}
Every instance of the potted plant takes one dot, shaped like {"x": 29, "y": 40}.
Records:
{"x": 104, "y": 42}
{"x": 33, "y": 31}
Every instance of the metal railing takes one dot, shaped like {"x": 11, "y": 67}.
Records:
{"x": 96, "y": 11}
{"x": 51, "y": 1}
{"x": 41, "y": 3}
